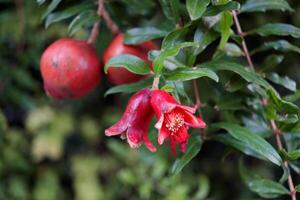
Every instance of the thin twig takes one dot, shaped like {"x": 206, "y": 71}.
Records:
{"x": 241, "y": 34}
{"x": 95, "y": 30}
{"x": 113, "y": 27}
{"x": 276, "y": 131}
{"x": 197, "y": 94}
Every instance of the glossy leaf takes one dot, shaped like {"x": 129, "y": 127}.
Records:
{"x": 80, "y": 20}
{"x": 129, "y": 88}
{"x": 225, "y": 24}
{"x": 262, "y": 6}
{"x": 187, "y": 74}
{"x": 165, "y": 53}
{"x": 263, "y": 187}
{"x": 140, "y": 35}
{"x": 216, "y": 9}
{"x": 171, "y": 9}
{"x": 59, "y": 16}
{"x": 279, "y": 45}
{"x": 207, "y": 38}
{"x": 277, "y": 29}
{"x": 244, "y": 72}
{"x": 232, "y": 49}
{"x": 196, "y": 8}
{"x": 130, "y": 62}
{"x": 284, "y": 81}
{"x": 174, "y": 37}
{"x": 254, "y": 141}
{"x": 51, "y": 7}
{"x": 192, "y": 150}
{"x": 292, "y": 155}
{"x": 237, "y": 144}
{"x": 271, "y": 62}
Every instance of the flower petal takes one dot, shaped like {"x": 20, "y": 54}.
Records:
{"x": 148, "y": 143}
{"x": 187, "y": 108}
{"x": 134, "y": 137}
{"x": 162, "y": 135}
{"x": 117, "y": 129}
{"x": 193, "y": 121}
{"x": 181, "y": 136}
{"x": 172, "y": 145}
{"x": 160, "y": 122}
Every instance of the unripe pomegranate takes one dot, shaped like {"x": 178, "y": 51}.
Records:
{"x": 70, "y": 69}
{"x": 117, "y": 76}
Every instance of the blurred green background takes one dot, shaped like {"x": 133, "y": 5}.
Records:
{"x": 57, "y": 150}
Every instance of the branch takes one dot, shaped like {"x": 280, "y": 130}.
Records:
{"x": 276, "y": 131}
{"x": 113, "y": 27}
{"x": 95, "y": 30}
{"x": 241, "y": 34}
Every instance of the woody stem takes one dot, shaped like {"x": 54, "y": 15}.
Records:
{"x": 101, "y": 12}
{"x": 95, "y": 30}
{"x": 276, "y": 131}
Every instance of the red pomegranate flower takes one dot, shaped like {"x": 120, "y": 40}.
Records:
{"x": 135, "y": 121}
{"x": 174, "y": 119}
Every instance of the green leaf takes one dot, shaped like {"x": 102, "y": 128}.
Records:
{"x": 250, "y": 76}
{"x": 232, "y": 49}
{"x": 187, "y": 74}
{"x": 243, "y": 71}
{"x": 129, "y": 88}
{"x": 280, "y": 104}
{"x": 262, "y": 6}
{"x": 263, "y": 187}
{"x": 169, "y": 52}
{"x": 279, "y": 45}
{"x": 204, "y": 40}
{"x": 254, "y": 141}
{"x": 277, "y": 29}
{"x": 140, "y": 35}
{"x": 40, "y": 2}
{"x": 80, "y": 20}
{"x": 192, "y": 150}
{"x": 196, "y": 8}
{"x": 215, "y": 10}
{"x": 225, "y": 24}
{"x": 237, "y": 144}
{"x": 293, "y": 97}
{"x": 51, "y": 7}
{"x": 168, "y": 88}
{"x": 174, "y": 37}
{"x": 171, "y": 9}
{"x": 284, "y": 81}
{"x": 271, "y": 62}
{"x": 59, "y": 16}
{"x": 292, "y": 155}
{"x": 297, "y": 187}
{"x": 130, "y": 62}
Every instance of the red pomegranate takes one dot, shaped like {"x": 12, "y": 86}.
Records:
{"x": 70, "y": 69}
{"x": 117, "y": 76}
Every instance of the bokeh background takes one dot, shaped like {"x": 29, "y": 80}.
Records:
{"x": 53, "y": 150}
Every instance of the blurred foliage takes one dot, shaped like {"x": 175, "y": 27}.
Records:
{"x": 57, "y": 150}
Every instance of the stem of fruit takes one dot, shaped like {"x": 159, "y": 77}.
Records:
{"x": 276, "y": 131}
{"x": 155, "y": 83}
{"x": 95, "y": 30}
{"x": 113, "y": 27}
{"x": 101, "y": 12}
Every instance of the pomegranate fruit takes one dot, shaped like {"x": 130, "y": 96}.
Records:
{"x": 117, "y": 76}
{"x": 70, "y": 69}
